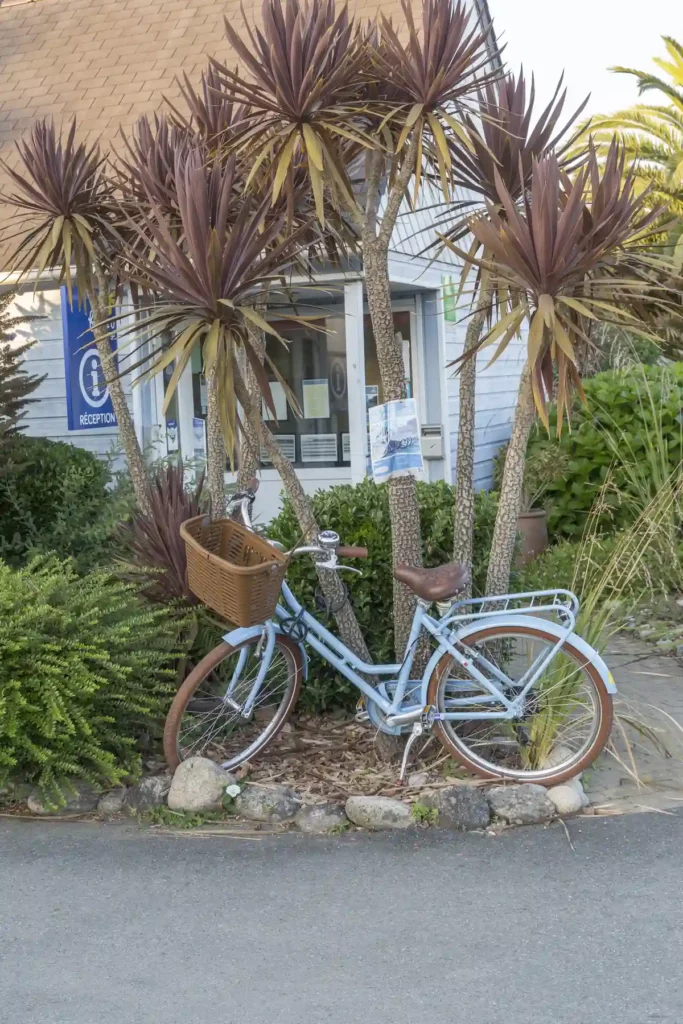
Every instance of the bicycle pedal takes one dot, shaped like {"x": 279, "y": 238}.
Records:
{"x": 362, "y": 716}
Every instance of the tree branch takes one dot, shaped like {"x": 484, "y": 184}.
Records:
{"x": 397, "y": 193}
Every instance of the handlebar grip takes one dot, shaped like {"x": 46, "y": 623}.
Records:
{"x": 346, "y": 551}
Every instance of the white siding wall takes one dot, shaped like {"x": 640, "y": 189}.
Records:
{"x": 47, "y": 417}
{"x": 497, "y": 387}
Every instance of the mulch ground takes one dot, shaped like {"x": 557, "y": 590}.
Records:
{"x": 331, "y": 758}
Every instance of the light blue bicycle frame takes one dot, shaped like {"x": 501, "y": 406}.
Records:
{"x": 448, "y": 631}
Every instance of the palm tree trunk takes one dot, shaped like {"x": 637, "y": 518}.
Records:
{"x": 510, "y": 501}
{"x": 463, "y": 526}
{"x": 330, "y": 584}
{"x": 215, "y": 447}
{"x": 129, "y": 440}
{"x": 250, "y": 449}
{"x": 404, "y": 510}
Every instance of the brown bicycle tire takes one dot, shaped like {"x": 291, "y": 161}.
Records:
{"x": 549, "y": 778}
{"x": 197, "y": 676}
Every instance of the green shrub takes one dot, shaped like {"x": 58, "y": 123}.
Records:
{"x": 86, "y": 669}
{"x": 360, "y": 515}
{"x": 58, "y": 500}
{"x": 573, "y": 565}
{"x": 631, "y": 427}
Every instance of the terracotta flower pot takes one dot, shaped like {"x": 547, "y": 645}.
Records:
{"x": 533, "y": 527}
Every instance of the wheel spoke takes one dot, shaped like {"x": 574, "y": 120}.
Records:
{"x": 560, "y": 717}
{"x": 207, "y": 724}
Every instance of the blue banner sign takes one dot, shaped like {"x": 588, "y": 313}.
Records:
{"x": 88, "y": 401}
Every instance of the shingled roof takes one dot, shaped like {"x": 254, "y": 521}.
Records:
{"x": 106, "y": 61}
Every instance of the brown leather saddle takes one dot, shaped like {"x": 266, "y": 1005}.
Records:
{"x": 439, "y": 584}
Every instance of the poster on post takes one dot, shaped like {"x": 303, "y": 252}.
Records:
{"x": 395, "y": 448}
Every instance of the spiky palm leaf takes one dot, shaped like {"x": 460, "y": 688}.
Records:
{"x": 571, "y": 250}
{"x": 303, "y": 91}
{"x": 504, "y": 143}
{"x": 147, "y": 171}
{"x": 63, "y": 188}
{"x": 426, "y": 76}
{"x": 213, "y": 113}
{"x": 210, "y": 277}
{"x": 151, "y": 550}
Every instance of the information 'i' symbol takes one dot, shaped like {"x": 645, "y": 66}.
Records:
{"x": 90, "y": 378}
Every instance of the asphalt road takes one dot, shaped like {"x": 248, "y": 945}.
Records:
{"x": 105, "y": 924}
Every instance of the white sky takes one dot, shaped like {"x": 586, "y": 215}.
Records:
{"x": 584, "y": 38}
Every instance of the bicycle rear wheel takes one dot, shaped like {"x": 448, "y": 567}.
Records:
{"x": 204, "y": 720}
{"x": 567, "y": 716}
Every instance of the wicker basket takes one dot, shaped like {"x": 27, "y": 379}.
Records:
{"x": 232, "y": 570}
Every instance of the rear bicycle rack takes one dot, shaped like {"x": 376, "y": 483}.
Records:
{"x": 560, "y": 605}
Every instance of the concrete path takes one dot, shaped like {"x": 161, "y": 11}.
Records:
{"x": 108, "y": 925}
{"x": 651, "y": 694}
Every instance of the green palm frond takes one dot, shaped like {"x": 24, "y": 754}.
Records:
{"x": 650, "y": 134}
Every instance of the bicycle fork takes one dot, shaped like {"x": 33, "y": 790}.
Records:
{"x": 265, "y": 656}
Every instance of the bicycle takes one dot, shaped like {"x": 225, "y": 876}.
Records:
{"x": 510, "y": 695}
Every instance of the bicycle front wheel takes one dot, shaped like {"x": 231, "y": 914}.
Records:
{"x": 206, "y": 717}
{"x": 567, "y": 716}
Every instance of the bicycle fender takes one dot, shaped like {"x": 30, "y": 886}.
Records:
{"x": 584, "y": 648}
{"x": 238, "y": 636}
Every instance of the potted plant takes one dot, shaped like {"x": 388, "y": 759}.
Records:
{"x": 543, "y": 467}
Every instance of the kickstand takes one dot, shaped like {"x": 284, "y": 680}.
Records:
{"x": 417, "y": 731}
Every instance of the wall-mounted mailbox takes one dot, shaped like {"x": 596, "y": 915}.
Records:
{"x": 431, "y": 437}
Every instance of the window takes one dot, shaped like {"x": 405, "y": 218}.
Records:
{"x": 314, "y": 366}
{"x": 402, "y": 334}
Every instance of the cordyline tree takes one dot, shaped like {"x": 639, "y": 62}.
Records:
{"x": 69, "y": 216}
{"x": 504, "y": 143}
{"x": 572, "y": 252}
{"x": 322, "y": 88}
{"x": 211, "y": 257}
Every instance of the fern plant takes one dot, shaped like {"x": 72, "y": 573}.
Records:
{"x": 86, "y": 670}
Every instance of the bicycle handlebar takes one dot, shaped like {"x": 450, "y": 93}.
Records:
{"x": 242, "y": 501}
{"x": 350, "y": 551}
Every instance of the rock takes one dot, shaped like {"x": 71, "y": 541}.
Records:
{"x": 198, "y": 785}
{"x": 577, "y": 785}
{"x": 80, "y": 798}
{"x": 462, "y": 807}
{"x": 556, "y": 756}
{"x": 419, "y": 780}
{"x": 147, "y": 794}
{"x": 525, "y": 804}
{"x": 14, "y": 792}
{"x": 666, "y": 645}
{"x": 679, "y": 650}
{"x": 320, "y": 817}
{"x": 567, "y": 799}
{"x": 378, "y": 812}
{"x": 268, "y": 803}
{"x": 112, "y": 802}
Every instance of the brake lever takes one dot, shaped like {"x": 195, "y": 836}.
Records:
{"x": 337, "y": 568}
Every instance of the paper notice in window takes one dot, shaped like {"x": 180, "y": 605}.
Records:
{"x": 279, "y": 401}
{"x": 316, "y": 399}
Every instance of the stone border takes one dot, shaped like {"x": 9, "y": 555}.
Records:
{"x": 199, "y": 786}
